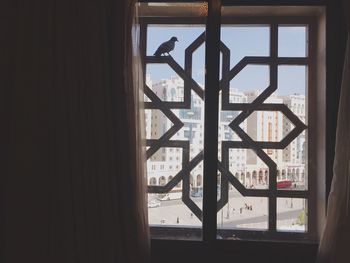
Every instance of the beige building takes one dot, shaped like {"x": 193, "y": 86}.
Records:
{"x": 295, "y": 154}
{"x": 244, "y": 164}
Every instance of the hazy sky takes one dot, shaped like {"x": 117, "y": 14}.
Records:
{"x": 242, "y": 41}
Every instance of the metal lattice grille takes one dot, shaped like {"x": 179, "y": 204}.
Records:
{"x": 246, "y": 109}
{"x": 273, "y": 61}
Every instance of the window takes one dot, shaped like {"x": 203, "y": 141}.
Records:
{"x": 265, "y": 99}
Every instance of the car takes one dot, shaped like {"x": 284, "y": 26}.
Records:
{"x": 153, "y": 203}
{"x": 197, "y": 194}
{"x": 284, "y": 184}
{"x": 197, "y": 191}
{"x": 174, "y": 195}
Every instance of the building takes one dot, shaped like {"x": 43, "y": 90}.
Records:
{"x": 295, "y": 154}
{"x": 244, "y": 164}
{"x": 157, "y": 124}
{"x": 273, "y": 126}
{"x": 264, "y": 126}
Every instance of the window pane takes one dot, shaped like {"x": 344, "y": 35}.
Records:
{"x": 244, "y": 84}
{"x": 165, "y": 82}
{"x": 263, "y": 146}
{"x": 242, "y": 41}
{"x": 243, "y": 212}
{"x": 292, "y": 214}
{"x": 175, "y": 123}
{"x": 262, "y": 123}
{"x": 292, "y": 41}
{"x": 292, "y": 81}
{"x": 186, "y": 34}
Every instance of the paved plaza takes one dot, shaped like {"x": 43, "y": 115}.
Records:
{"x": 240, "y": 212}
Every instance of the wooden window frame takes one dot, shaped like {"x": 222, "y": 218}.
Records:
{"x": 316, "y": 147}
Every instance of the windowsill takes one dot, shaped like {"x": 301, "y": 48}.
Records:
{"x": 233, "y": 251}
{"x": 183, "y": 233}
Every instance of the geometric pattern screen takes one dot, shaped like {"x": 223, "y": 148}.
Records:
{"x": 273, "y": 61}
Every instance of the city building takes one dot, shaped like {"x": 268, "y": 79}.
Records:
{"x": 244, "y": 164}
{"x": 295, "y": 154}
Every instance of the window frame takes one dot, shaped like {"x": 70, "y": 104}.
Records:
{"x": 311, "y": 235}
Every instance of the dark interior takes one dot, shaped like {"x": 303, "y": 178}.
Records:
{"x": 29, "y": 206}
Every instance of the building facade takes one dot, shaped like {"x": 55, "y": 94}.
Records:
{"x": 243, "y": 164}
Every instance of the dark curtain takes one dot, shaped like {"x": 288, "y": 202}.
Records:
{"x": 72, "y": 186}
{"x": 335, "y": 242}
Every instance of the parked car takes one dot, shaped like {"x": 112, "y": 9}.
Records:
{"x": 154, "y": 203}
{"x": 284, "y": 184}
{"x": 197, "y": 192}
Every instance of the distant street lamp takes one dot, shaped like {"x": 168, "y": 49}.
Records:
{"x": 190, "y": 114}
{"x": 222, "y": 217}
{"x": 229, "y": 116}
{"x": 228, "y": 207}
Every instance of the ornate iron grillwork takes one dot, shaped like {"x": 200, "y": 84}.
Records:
{"x": 246, "y": 109}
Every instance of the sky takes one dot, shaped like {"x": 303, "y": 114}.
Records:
{"x": 242, "y": 41}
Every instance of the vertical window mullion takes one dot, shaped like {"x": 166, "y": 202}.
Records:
{"x": 273, "y": 83}
{"x": 143, "y": 44}
{"x": 212, "y": 60}
{"x": 313, "y": 136}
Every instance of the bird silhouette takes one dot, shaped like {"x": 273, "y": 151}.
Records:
{"x": 166, "y": 47}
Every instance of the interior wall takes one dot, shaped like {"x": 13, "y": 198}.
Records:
{"x": 30, "y": 117}
{"x": 232, "y": 251}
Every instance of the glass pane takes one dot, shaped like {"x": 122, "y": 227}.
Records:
{"x": 243, "y": 212}
{"x": 292, "y": 84}
{"x": 175, "y": 195}
{"x": 185, "y": 34}
{"x": 166, "y": 83}
{"x": 292, "y": 168}
{"x": 292, "y": 214}
{"x": 292, "y": 171}
{"x": 168, "y": 210}
{"x": 242, "y": 41}
{"x": 268, "y": 125}
{"x": 193, "y": 125}
{"x": 156, "y": 123}
{"x": 292, "y": 41}
{"x": 244, "y": 87}
{"x": 198, "y": 70}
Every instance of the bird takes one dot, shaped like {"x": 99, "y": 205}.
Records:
{"x": 166, "y": 47}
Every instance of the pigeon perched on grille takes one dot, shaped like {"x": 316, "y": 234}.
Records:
{"x": 166, "y": 47}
